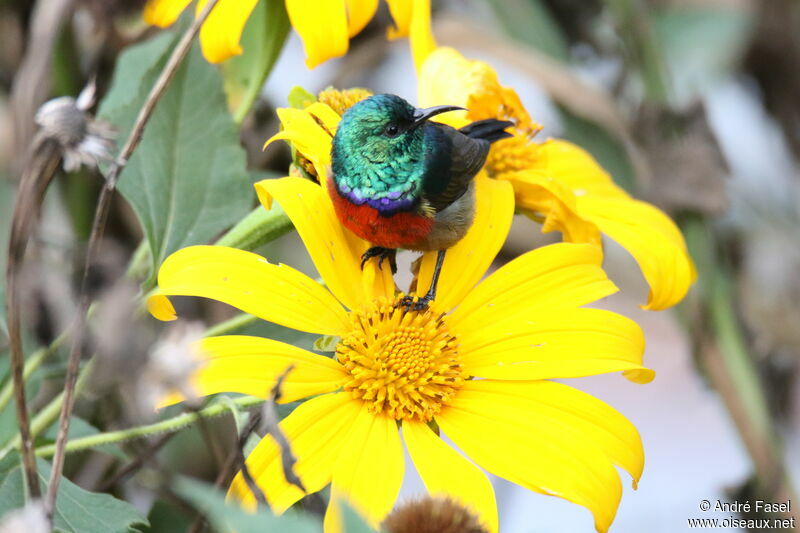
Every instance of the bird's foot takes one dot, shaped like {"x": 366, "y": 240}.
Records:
{"x": 413, "y": 304}
{"x": 382, "y": 254}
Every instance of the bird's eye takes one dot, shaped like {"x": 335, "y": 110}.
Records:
{"x": 392, "y": 130}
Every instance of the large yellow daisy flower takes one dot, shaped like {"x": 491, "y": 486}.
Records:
{"x": 556, "y": 181}
{"x": 325, "y": 26}
{"x": 476, "y": 365}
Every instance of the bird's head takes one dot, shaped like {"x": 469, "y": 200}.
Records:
{"x": 381, "y": 129}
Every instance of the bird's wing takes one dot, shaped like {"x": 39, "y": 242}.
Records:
{"x": 460, "y": 157}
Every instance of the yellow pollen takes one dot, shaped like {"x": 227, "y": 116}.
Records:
{"x": 491, "y": 100}
{"x": 342, "y": 100}
{"x": 404, "y": 364}
{"x": 511, "y": 155}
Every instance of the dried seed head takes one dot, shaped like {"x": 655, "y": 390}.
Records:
{"x": 30, "y": 519}
{"x": 172, "y": 362}
{"x": 433, "y": 515}
{"x": 83, "y": 140}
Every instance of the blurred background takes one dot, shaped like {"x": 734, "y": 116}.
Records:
{"x": 692, "y": 105}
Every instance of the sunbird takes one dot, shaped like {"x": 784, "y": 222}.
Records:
{"x": 403, "y": 181}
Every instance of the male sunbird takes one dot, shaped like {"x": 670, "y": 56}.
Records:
{"x": 402, "y": 181}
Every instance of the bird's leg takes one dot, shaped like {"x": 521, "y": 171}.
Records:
{"x": 425, "y": 301}
{"x": 382, "y": 254}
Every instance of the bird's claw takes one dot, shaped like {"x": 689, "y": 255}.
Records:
{"x": 382, "y": 254}
{"x": 412, "y": 304}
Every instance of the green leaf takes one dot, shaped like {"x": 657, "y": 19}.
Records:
{"x": 226, "y": 518}
{"x": 9, "y": 428}
{"x": 77, "y": 510}
{"x": 701, "y": 46}
{"x": 605, "y": 148}
{"x": 168, "y": 517}
{"x": 532, "y": 23}
{"x": 187, "y": 180}
{"x": 135, "y": 70}
{"x": 299, "y": 98}
{"x": 262, "y": 42}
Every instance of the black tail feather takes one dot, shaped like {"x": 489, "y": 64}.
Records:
{"x": 489, "y": 129}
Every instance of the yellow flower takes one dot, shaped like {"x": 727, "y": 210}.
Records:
{"x": 557, "y": 182}
{"x": 477, "y": 364}
{"x": 325, "y": 26}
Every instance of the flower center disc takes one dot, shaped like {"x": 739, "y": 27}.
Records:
{"x": 404, "y": 363}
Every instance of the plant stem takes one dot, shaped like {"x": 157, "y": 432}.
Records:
{"x": 49, "y": 413}
{"x": 732, "y": 371}
{"x": 98, "y": 227}
{"x": 33, "y": 362}
{"x": 232, "y": 324}
{"x": 165, "y": 426}
{"x": 44, "y": 162}
{"x": 257, "y": 229}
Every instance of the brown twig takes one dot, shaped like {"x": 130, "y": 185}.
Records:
{"x": 32, "y": 80}
{"x": 267, "y": 418}
{"x": 43, "y": 164}
{"x": 98, "y": 227}
{"x": 271, "y": 427}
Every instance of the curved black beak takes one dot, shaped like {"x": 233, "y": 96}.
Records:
{"x": 421, "y": 115}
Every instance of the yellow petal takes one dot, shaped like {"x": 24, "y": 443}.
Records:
{"x": 557, "y": 276}
{"x": 335, "y": 251}
{"x": 401, "y": 11}
{"x": 443, "y": 80}
{"x": 222, "y": 30}
{"x": 307, "y": 137}
{"x": 446, "y": 77}
{"x": 251, "y": 365}
{"x": 466, "y": 262}
{"x": 652, "y": 239}
{"x": 557, "y": 343}
{"x": 316, "y": 431}
{"x": 603, "y": 427}
{"x": 161, "y": 308}
{"x": 583, "y": 197}
{"x": 576, "y": 168}
{"x": 546, "y": 437}
{"x": 421, "y": 35}
{"x": 359, "y": 13}
{"x": 446, "y": 472}
{"x": 322, "y": 25}
{"x": 542, "y": 196}
{"x": 163, "y": 13}
{"x": 333, "y": 521}
{"x": 369, "y": 470}
{"x": 329, "y": 118}
{"x": 277, "y": 293}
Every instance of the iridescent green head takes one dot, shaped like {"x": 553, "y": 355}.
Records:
{"x": 381, "y": 152}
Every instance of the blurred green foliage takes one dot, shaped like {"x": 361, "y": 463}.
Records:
{"x": 77, "y": 510}
{"x": 187, "y": 180}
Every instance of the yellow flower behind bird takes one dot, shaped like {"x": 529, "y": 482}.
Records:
{"x": 477, "y": 363}
{"x": 325, "y": 26}
{"x": 556, "y": 181}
